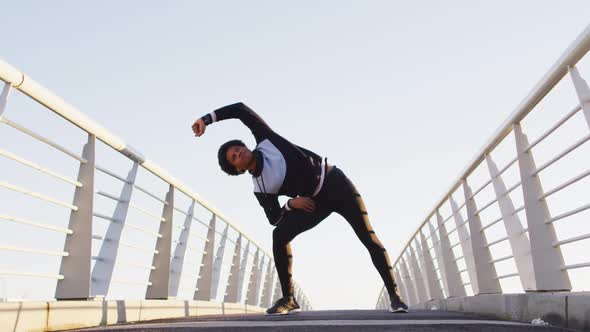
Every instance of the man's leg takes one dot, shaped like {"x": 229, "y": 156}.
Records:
{"x": 293, "y": 224}
{"x": 352, "y": 208}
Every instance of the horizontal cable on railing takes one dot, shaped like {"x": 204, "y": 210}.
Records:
{"x": 126, "y": 244}
{"x": 563, "y": 154}
{"x": 509, "y": 190}
{"x": 202, "y": 222}
{"x": 518, "y": 210}
{"x": 130, "y": 245}
{"x": 570, "y": 240}
{"x": 35, "y": 224}
{"x": 481, "y": 188}
{"x": 31, "y": 274}
{"x": 114, "y": 198}
{"x": 42, "y": 139}
{"x": 199, "y": 237}
{"x": 574, "y": 266}
{"x": 180, "y": 211}
{"x": 131, "y": 282}
{"x": 456, "y": 244}
{"x": 150, "y": 194}
{"x": 458, "y": 258}
{"x": 554, "y": 127}
{"x": 39, "y": 168}
{"x": 486, "y": 206}
{"x": 567, "y": 214}
{"x": 143, "y": 229}
{"x": 102, "y": 216}
{"x": 497, "y": 241}
{"x": 457, "y": 227}
{"x": 39, "y": 196}
{"x": 34, "y": 251}
{"x": 509, "y": 275}
{"x": 565, "y": 185}
{"x": 483, "y": 228}
{"x": 467, "y": 283}
{"x": 461, "y": 271}
{"x": 141, "y": 266}
{"x": 501, "y": 259}
{"x": 505, "y": 168}
{"x": 447, "y": 218}
{"x": 147, "y": 213}
{"x": 107, "y": 172}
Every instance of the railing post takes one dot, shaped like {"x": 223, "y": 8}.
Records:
{"x": 4, "y": 97}
{"x": 412, "y": 295}
{"x": 451, "y": 276}
{"x": 384, "y": 299}
{"x": 464, "y": 239}
{"x": 485, "y": 281}
{"x": 417, "y": 273}
{"x": 232, "y": 294}
{"x": 547, "y": 260}
{"x": 251, "y": 295}
{"x": 433, "y": 285}
{"x": 582, "y": 91}
{"x": 203, "y": 290}
{"x": 277, "y": 294}
{"x": 401, "y": 285}
{"x": 218, "y": 262}
{"x": 242, "y": 278}
{"x": 160, "y": 276}
{"x": 102, "y": 273}
{"x": 177, "y": 263}
{"x": 519, "y": 241}
{"x": 266, "y": 295}
{"x": 76, "y": 266}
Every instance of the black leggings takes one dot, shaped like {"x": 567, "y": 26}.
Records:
{"x": 338, "y": 195}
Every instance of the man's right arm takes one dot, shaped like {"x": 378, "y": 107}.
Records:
{"x": 240, "y": 111}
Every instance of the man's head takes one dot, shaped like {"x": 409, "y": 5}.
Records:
{"x": 234, "y": 157}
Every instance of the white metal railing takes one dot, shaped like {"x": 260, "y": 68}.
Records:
{"x": 472, "y": 264}
{"x": 88, "y": 259}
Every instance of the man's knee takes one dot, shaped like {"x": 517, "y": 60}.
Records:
{"x": 279, "y": 236}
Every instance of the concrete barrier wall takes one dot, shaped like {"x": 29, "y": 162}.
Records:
{"x": 59, "y": 315}
{"x": 563, "y": 309}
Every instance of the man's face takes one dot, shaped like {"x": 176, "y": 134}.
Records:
{"x": 239, "y": 157}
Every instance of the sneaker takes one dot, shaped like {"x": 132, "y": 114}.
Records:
{"x": 397, "y": 305}
{"x": 284, "y": 306}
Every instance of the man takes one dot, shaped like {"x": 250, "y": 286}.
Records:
{"x": 316, "y": 188}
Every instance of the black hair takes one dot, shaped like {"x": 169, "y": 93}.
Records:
{"x": 221, "y": 156}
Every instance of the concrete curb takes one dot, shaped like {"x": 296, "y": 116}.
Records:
{"x": 563, "y": 309}
{"x": 60, "y": 315}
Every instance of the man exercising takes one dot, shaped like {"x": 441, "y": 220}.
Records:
{"x": 279, "y": 167}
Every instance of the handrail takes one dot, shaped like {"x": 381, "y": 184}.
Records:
{"x": 81, "y": 223}
{"x": 577, "y": 49}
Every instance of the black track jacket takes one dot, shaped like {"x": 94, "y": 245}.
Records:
{"x": 287, "y": 169}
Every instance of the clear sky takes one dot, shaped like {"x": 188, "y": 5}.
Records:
{"x": 398, "y": 94}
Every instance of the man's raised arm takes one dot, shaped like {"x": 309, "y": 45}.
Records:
{"x": 240, "y": 111}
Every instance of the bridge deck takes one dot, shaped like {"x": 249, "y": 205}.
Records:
{"x": 341, "y": 320}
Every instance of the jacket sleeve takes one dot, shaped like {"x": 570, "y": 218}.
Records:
{"x": 270, "y": 203}
{"x": 240, "y": 111}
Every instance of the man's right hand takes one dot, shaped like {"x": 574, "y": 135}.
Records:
{"x": 303, "y": 203}
{"x": 199, "y": 127}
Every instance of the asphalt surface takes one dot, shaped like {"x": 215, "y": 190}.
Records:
{"x": 341, "y": 320}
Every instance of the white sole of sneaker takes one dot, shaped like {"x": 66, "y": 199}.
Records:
{"x": 277, "y": 313}
{"x": 294, "y": 311}
{"x": 398, "y": 310}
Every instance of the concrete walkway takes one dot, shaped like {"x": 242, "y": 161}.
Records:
{"x": 341, "y": 320}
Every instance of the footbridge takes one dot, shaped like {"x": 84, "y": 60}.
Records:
{"x": 110, "y": 241}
